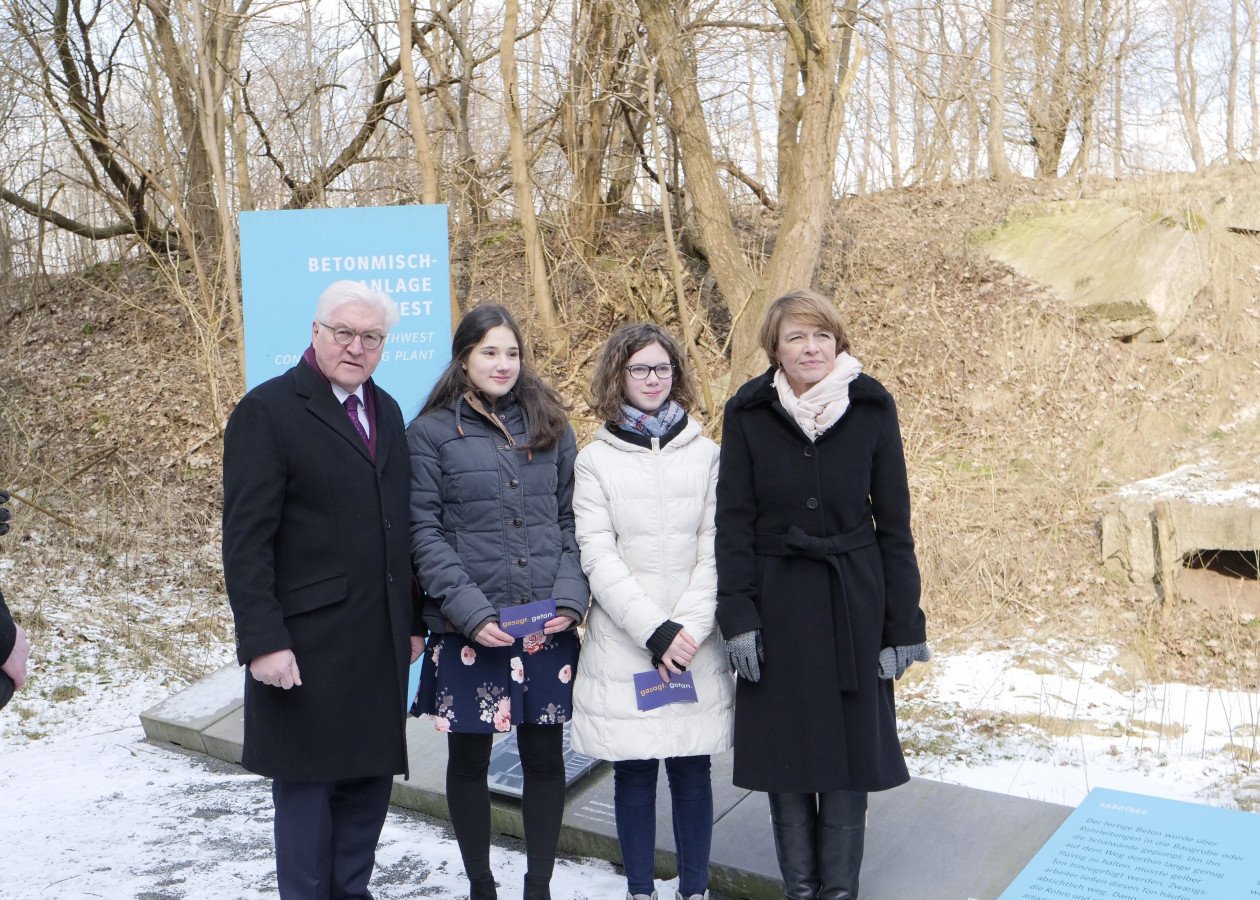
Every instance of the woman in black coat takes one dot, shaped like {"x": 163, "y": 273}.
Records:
{"x": 492, "y": 457}
{"x": 818, "y": 591}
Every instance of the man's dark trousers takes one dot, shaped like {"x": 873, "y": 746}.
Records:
{"x": 326, "y": 835}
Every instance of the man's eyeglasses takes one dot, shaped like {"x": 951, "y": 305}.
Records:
{"x": 345, "y": 337}
{"x": 640, "y": 372}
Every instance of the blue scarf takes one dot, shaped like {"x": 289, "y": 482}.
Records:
{"x": 637, "y": 421}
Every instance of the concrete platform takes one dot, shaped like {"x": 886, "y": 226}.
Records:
{"x": 925, "y": 839}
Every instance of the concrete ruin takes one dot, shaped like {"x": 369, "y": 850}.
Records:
{"x": 1128, "y": 272}
{"x": 1152, "y": 528}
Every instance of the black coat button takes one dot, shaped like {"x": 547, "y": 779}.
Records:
{"x": 811, "y": 503}
{"x": 514, "y": 483}
{"x": 522, "y": 563}
{"x": 518, "y": 521}
{"x": 809, "y": 452}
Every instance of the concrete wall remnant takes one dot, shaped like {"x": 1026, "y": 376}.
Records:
{"x": 1131, "y": 273}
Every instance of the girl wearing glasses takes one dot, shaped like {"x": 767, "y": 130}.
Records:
{"x": 644, "y": 501}
{"x": 491, "y": 530}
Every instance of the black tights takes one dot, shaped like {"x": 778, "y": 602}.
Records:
{"x": 542, "y": 806}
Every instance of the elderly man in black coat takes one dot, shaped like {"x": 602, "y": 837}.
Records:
{"x": 316, "y": 560}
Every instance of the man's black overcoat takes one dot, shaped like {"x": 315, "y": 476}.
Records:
{"x": 316, "y": 559}
{"x": 814, "y": 548}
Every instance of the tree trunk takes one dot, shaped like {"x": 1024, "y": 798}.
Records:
{"x": 818, "y": 74}
{"x": 894, "y": 126}
{"x": 1185, "y": 38}
{"x": 200, "y": 203}
{"x": 415, "y": 108}
{"x": 1231, "y": 89}
{"x": 523, "y": 184}
{"x": 999, "y": 167}
{"x": 587, "y": 107}
{"x": 674, "y": 54}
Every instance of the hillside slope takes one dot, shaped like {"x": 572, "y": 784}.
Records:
{"x": 1016, "y": 420}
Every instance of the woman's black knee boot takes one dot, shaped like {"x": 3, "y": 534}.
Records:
{"x": 794, "y": 818}
{"x": 537, "y": 888}
{"x": 841, "y": 840}
{"x": 482, "y": 888}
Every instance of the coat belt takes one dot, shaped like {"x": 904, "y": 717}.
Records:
{"x": 829, "y": 549}
{"x": 796, "y": 542}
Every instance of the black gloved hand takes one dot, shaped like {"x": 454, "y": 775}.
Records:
{"x": 745, "y": 655}
{"x": 893, "y": 661}
{"x": 5, "y": 515}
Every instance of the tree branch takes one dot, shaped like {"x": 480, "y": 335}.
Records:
{"x": 749, "y": 182}
{"x": 349, "y": 154}
{"x": 74, "y": 227}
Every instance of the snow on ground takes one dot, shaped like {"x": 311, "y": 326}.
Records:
{"x": 88, "y": 808}
{"x": 91, "y": 809}
{"x": 1041, "y": 724}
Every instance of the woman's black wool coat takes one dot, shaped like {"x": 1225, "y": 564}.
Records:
{"x": 814, "y": 549}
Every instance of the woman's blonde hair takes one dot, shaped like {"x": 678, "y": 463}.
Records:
{"x": 608, "y": 386}
{"x": 803, "y": 305}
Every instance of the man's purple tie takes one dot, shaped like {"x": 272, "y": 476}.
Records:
{"x": 352, "y": 409}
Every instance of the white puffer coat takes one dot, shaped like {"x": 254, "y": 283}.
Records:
{"x": 644, "y": 518}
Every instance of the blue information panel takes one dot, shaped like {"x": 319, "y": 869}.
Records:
{"x": 1124, "y": 846}
{"x": 288, "y": 257}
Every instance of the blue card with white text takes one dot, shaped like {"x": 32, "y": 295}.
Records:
{"x": 652, "y": 692}
{"x": 528, "y": 618}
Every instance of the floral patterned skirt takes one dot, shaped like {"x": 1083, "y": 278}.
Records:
{"x": 471, "y": 689}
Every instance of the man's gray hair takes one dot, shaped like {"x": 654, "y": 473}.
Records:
{"x": 346, "y": 291}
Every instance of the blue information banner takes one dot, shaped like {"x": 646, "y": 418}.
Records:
{"x": 288, "y": 257}
{"x": 1125, "y": 846}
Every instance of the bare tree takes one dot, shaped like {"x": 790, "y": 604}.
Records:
{"x": 1184, "y": 39}
{"x": 819, "y": 65}
{"x": 522, "y": 181}
{"x": 415, "y": 106}
{"x": 593, "y": 110}
{"x": 999, "y": 167}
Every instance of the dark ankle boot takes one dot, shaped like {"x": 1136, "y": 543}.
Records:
{"x": 794, "y": 817}
{"x": 482, "y": 888}
{"x": 537, "y": 888}
{"x": 841, "y": 839}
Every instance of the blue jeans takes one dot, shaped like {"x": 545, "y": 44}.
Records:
{"x": 634, "y": 798}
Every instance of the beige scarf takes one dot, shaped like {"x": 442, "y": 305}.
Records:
{"x": 821, "y": 406}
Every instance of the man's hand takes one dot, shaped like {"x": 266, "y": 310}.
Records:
{"x": 417, "y": 647}
{"x": 15, "y": 665}
{"x": 682, "y": 650}
{"x": 278, "y": 669}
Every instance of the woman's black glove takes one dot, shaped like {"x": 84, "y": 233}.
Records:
{"x": 745, "y": 655}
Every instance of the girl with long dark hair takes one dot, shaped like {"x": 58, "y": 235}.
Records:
{"x": 492, "y": 458}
